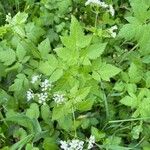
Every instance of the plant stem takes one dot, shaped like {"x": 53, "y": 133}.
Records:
{"x": 96, "y": 18}
{"x": 74, "y": 120}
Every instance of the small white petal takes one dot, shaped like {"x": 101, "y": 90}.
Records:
{"x": 111, "y": 10}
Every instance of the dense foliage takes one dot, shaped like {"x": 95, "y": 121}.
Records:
{"x": 75, "y": 73}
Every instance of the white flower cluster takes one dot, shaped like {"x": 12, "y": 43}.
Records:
{"x": 58, "y": 98}
{"x": 112, "y": 31}
{"x": 35, "y": 78}
{"x": 91, "y": 142}
{"x": 45, "y": 85}
{"x": 101, "y": 4}
{"x": 42, "y": 98}
{"x": 74, "y": 144}
{"x": 30, "y": 95}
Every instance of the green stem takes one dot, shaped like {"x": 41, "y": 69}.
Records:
{"x": 96, "y": 18}
{"x": 74, "y": 120}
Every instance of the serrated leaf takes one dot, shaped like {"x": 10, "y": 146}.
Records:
{"x": 20, "y": 52}
{"x": 44, "y": 48}
{"x": 144, "y": 107}
{"x": 20, "y": 83}
{"x": 85, "y": 105}
{"x": 81, "y": 94}
{"x": 97, "y": 134}
{"x": 134, "y": 73}
{"x": 129, "y": 101}
{"x": 68, "y": 55}
{"x": 95, "y": 50}
{"x": 7, "y": 56}
{"x": 140, "y": 11}
{"x": 61, "y": 111}
{"x": 76, "y": 30}
{"x": 57, "y": 74}
{"x": 19, "y": 18}
{"x": 47, "y": 67}
{"x": 105, "y": 72}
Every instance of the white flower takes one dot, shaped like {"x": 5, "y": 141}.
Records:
{"x": 30, "y": 95}
{"x": 64, "y": 145}
{"x": 111, "y": 10}
{"x": 91, "y": 142}
{"x": 112, "y": 32}
{"x": 74, "y": 144}
{"x": 35, "y": 78}
{"x": 97, "y": 2}
{"x": 42, "y": 98}
{"x": 8, "y": 18}
{"x": 104, "y": 5}
{"x": 58, "y": 98}
{"x": 45, "y": 85}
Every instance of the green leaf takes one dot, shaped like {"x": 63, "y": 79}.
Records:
{"x": 44, "y": 48}
{"x": 33, "y": 111}
{"x": 61, "y": 111}
{"x": 45, "y": 112}
{"x": 22, "y": 120}
{"x": 19, "y": 18}
{"x": 144, "y": 107}
{"x": 70, "y": 56}
{"x": 76, "y": 31}
{"x": 134, "y": 73}
{"x": 129, "y": 101}
{"x": 50, "y": 143}
{"x": 20, "y": 52}
{"x": 7, "y": 56}
{"x": 85, "y": 105}
{"x": 19, "y": 145}
{"x": 47, "y": 67}
{"x": 136, "y": 131}
{"x": 20, "y": 133}
{"x": 81, "y": 94}
{"x": 95, "y": 50}
{"x": 140, "y": 11}
{"x": 98, "y": 134}
{"x": 20, "y": 84}
{"x": 105, "y": 72}
{"x": 57, "y": 74}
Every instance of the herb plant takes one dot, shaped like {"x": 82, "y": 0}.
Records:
{"x": 74, "y": 75}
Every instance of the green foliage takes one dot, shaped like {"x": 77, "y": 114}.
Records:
{"x": 64, "y": 76}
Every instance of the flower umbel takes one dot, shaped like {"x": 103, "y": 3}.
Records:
{"x": 35, "y": 78}
{"x": 58, "y": 98}
{"x": 64, "y": 145}
{"x": 99, "y": 3}
{"x": 74, "y": 144}
{"x": 42, "y": 98}
{"x": 45, "y": 85}
{"x": 112, "y": 31}
{"x": 30, "y": 95}
{"x": 91, "y": 142}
